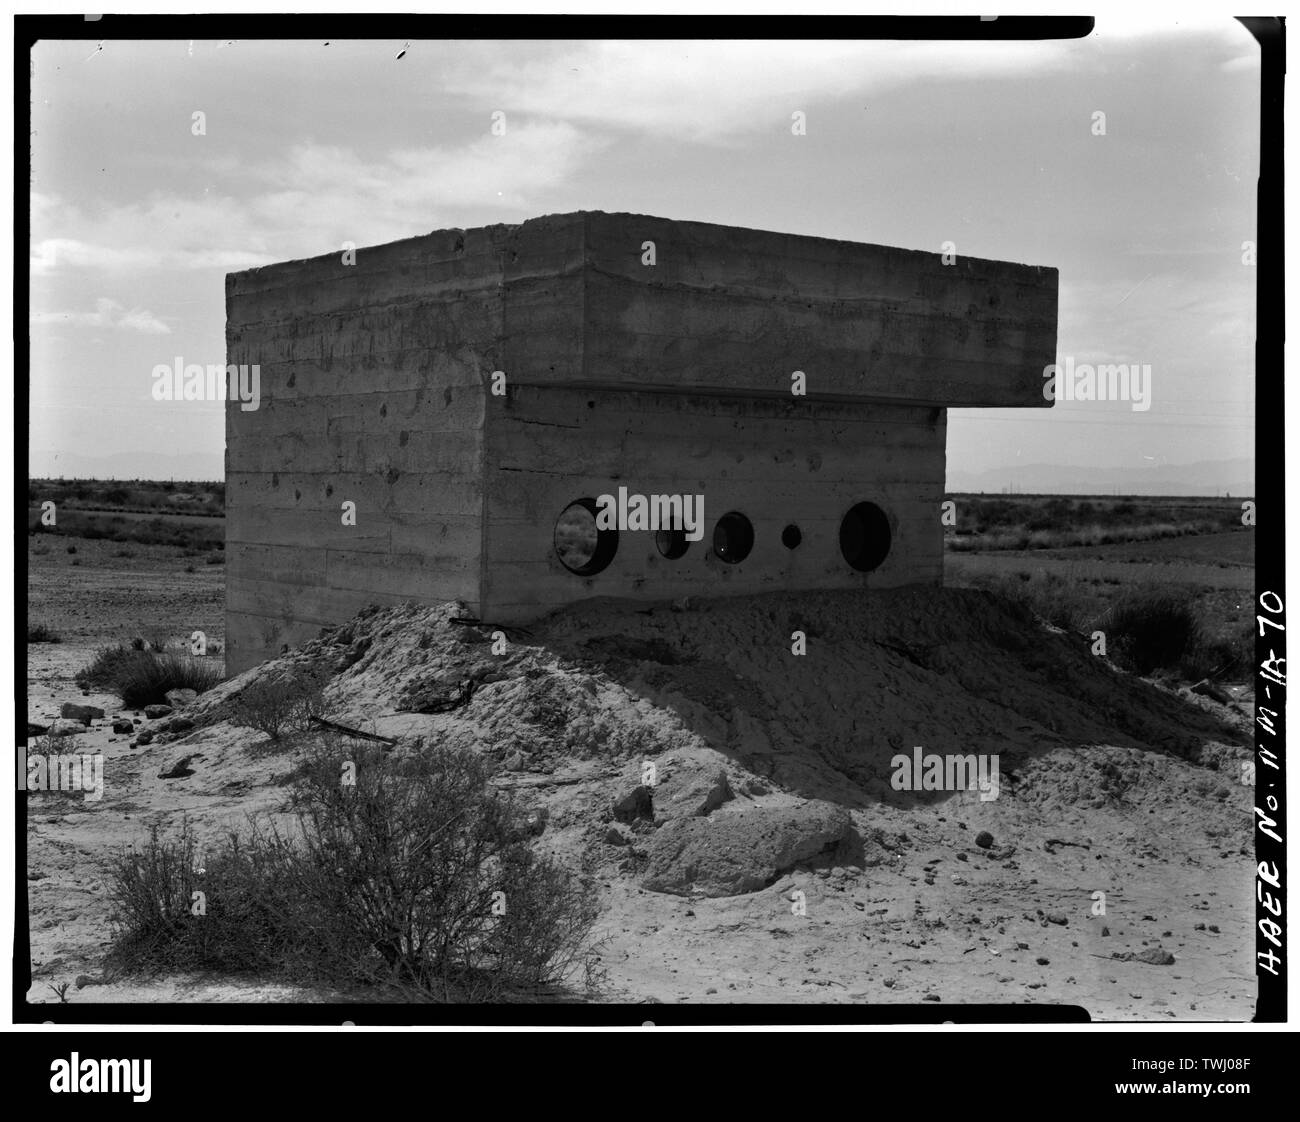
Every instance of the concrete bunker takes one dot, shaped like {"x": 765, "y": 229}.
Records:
{"x": 481, "y": 397}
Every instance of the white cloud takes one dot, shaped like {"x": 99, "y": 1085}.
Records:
{"x": 309, "y": 202}
{"x": 718, "y": 91}
{"x": 107, "y": 313}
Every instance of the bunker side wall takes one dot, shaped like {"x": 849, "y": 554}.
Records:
{"x": 794, "y": 463}
{"x": 373, "y": 378}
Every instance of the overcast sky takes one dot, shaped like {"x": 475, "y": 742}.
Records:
{"x": 135, "y": 220}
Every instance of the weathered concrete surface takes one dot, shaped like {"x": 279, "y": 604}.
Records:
{"x": 778, "y": 462}
{"x": 740, "y": 310}
{"x": 376, "y": 378}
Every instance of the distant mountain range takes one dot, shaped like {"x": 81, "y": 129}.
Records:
{"x": 1205, "y": 477}
{"x": 127, "y": 465}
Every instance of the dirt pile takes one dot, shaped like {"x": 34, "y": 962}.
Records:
{"x": 691, "y": 750}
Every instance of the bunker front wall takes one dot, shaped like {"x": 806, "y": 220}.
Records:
{"x": 372, "y": 392}
{"x": 779, "y": 463}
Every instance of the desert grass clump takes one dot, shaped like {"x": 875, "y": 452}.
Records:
{"x": 408, "y": 874}
{"x": 42, "y": 633}
{"x": 143, "y": 677}
{"x": 1221, "y": 659}
{"x": 1152, "y": 630}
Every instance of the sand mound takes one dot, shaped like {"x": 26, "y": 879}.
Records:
{"x": 633, "y": 729}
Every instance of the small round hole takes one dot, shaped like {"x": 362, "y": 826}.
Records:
{"x": 733, "y": 538}
{"x": 581, "y": 547}
{"x": 791, "y": 536}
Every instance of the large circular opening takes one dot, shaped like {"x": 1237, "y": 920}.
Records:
{"x": 733, "y": 537}
{"x": 581, "y": 547}
{"x": 671, "y": 543}
{"x": 865, "y": 537}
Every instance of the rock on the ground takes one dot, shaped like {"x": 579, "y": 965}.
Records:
{"x": 179, "y": 770}
{"x": 153, "y": 712}
{"x": 689, "y": 792}
{"x": 64, "y": 727}
{"x": 637, "y": 803}
{"x": 984, "y": 839}
{"x": 1206, "y": 688}
{"x": 83, "y": 713}
{"x": 1152, "y": 956}
{"x": 122, "y": 725}
{"x": 619, "y": 834}
{"x": 732, "y": 853}
{"x": 178, "y": 699}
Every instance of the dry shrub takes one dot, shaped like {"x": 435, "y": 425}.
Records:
{"x": 278, "y": 704}
{"x": 409, "y": 873}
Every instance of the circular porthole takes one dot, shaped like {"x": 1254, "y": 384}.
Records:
{"x": 733, "y": 538}
{"x": 865, "y": 537}
{"x": 581, "y": 547}
{"x": 672, "y": 544}
{"x": 791, "y": 536}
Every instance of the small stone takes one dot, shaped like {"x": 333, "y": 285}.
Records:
{"x": 962, "y": 857}
{"x": 144, "y": 738}
{"x": 154, "y": 712}
{"x": 1058, "y": 918}
{"x": 637, "y": 803}
{"x": 1199, "y": 927}
{"x": 1155, "y": 956}
{"x": 1214, "y": 928}
{"x": 984, "y": 839}
{"x": 179, "y": 770}
{"x": 123, "y": 727}
{"x": 1042, "y": 961}
{"x": 64, "y": 727}
{"x": 619, "y": 834}
{"x": 178, "y": 699}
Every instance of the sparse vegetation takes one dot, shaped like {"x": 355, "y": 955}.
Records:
{"x": 276, "y": 705}
{"x": 40, "y": 633}
{"x": 414, "y": 874}
{"x": 141, "y": 677}
{"x": 1146, "y": 629}
{"x": 1058, "y": 521}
